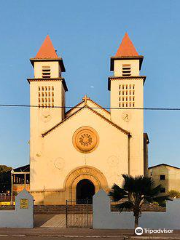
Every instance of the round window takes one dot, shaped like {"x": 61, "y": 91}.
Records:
{"x": 85, "y": 139}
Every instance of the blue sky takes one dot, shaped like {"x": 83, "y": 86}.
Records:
{"x": 86, "y": 33}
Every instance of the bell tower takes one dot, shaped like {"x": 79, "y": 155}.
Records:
{"x": 47, "y": 88}
{"x": 126, "y": 95}
{"x": 47, "y": 98}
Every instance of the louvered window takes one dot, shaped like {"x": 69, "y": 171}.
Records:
{"x": 126, "y": 70}
{"x": 46, "y": 72}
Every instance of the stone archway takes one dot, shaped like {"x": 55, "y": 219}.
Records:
{"x": 85, "y": 172}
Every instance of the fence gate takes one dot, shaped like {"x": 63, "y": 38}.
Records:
{"x": 79, "y": 214}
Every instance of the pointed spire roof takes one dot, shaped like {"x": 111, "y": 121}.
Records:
{"x": 46, "y": 50}
{"x": 126, "y": 48}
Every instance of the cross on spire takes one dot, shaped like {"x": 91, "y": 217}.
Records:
{"x": 85, "y": 98}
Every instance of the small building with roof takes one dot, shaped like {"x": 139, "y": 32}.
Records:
{"x": 20, "y": 179}
{"x": 166, "y": 175}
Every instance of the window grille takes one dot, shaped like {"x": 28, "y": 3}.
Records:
{"x": 46, "y": 96}
{"x": 127, "y": 97}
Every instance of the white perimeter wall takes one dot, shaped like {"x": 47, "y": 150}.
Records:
{"x": 103, "y": 218}
{"x": 18, "y": 218}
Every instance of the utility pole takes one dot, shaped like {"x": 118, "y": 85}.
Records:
{"x": 12, "y": 172}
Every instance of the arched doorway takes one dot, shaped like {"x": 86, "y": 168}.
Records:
{"x": 85, "y": 190}
{"x": 90, "y": 173}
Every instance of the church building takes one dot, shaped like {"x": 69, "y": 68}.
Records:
{"x": 75, "y": 153}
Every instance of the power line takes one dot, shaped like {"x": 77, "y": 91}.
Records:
{"x": 107, "y": 108}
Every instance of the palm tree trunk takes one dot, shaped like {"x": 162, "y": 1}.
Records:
{"x": 136, "y": 222}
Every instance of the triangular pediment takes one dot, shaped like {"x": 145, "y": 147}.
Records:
{"x": 92, "y": 104}
{"x": 94, "y": 112}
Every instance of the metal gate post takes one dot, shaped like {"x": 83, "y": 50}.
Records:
{"x": 66, "y": 213}
{"x": 87, "y": 211}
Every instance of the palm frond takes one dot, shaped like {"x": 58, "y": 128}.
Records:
{"x": 125, "y": 205}
{"x": 162, "y": 198}
{"x": 117, "y": 193}
{"x": 145, "y": 185}
{"x": 155, "y": 191}
{"x": 128, "y": 184}
{"x": 148, "y": 199}
{"x": 139, "y": 184}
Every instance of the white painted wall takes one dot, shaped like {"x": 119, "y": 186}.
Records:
{"x": 110, "y": 157}
{"x": 54, "y": 66}
{"x": 135, "y": 124}
{"x": 103, "y": 218}
{"x": 134, "y": 66}
{"x": 18, "y": 218}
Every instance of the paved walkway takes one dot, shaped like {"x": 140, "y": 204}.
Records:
{"x": 78, "y": 233}
{"x": 53, "y": 221}
{"x": 50, "y": 226}
{"x": 59, "y": 220}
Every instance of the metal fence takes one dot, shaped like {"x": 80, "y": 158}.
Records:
{"x": 79, "y": 214}
{"x": 6, "y": 198}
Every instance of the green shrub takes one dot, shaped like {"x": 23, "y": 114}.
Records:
{"x": 174, "y": 194}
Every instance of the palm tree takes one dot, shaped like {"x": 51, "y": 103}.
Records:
{"x": 136, "y": 191}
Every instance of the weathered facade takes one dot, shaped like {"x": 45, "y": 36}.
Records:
{"x": 166, "y": 175}
{"x": 74, "y": 154}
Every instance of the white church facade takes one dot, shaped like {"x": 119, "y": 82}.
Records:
{"x": 75, "y": 153}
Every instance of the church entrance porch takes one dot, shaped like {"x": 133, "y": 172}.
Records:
{"x": 85, "y": 190}
{"x": 83, "y": 182}
{"x": 75, "y": 187}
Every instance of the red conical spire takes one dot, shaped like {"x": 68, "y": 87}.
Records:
{"x": 126, "y": 48}
{"x": 46, "y": 50}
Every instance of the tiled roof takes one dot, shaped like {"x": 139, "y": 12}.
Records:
{"x": 126, "y": 48}
{"x": 46, "y": 50}
{"x": 163, "y": 164}
{"x": 25, "y": 168}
